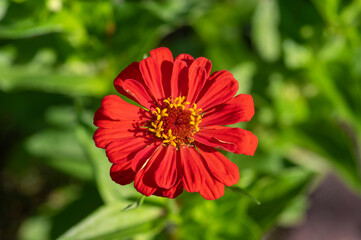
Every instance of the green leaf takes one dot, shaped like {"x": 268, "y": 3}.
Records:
{"x": 3, "y": 8}
{"x": 334, "y": 148}
{"x": 294, "y": 213}
{"x": 30, "y": 77}
{"x": 35, "y": 228}
{"x": 136, "y": 204}
{"x": 63, "y": 116}
{"x": 202, "y": 219}
{"x": 60, "y": 149}
{"x": 296, "y": 55}
{"x": 328, "y": 10}
{"x": 79, "y": 202}
{"x": 72, "y": 25}
{"x": 244, "y": 73}
{"x": 245, "y": 193}
{"x": 265, "y": 32}
{"x": 170, "y": 11}
{"x": 286, "y": 95}
{"x": 111, "y": 222}
{"x": 276, "y": 193}
{"x": 269, "y": 163}
{"x": 27, "y": 29}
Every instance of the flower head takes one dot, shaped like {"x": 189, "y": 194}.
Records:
{"x": 170, "y": 143}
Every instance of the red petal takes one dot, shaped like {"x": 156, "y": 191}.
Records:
{"x": 211, "y": 188}
{"x": 197, "y": 79}
{"x": 103, "y": 136}
{"x": 166, "y": 172}
{"x": 235, "y": 140}
{"x": 179, "y": 78}
{"x": 192, "y": 167}
{"x": 119, "y": 114}
{"x": 138, "y": 92}
{"x": 142, "y": 184}
{"x": 122, "y": 173}
{"x": 144, "y": 180}
{"x": 151, "y": 73}
{"x": 220, "y": 87}
{"x": 202, "y": 62}
{"x": 186, "y": 58}
{"x": 163, "y": 56}
{"x": 130, "y": 72}
{"x": 143, "y": 156}
{"x": 166, "y": 69}
{"x": 116, "y": 123}
{"x": 198, "y": 74}
{"x": 115, "y": 108}
{"x": 238, "y": 109}
{"x": 124, "y": 150}
{"x": 170, "y": 193}
{"x": 224, "y": 170}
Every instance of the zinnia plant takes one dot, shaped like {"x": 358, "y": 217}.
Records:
{"x": 169, "y": 144}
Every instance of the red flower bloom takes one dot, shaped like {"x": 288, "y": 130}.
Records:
{"x": 170, "y": 144}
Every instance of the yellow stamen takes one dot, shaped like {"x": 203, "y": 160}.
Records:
{"x": 162, "y": 128}
{"x": 164, "y": 113}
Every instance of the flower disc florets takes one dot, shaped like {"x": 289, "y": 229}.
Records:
{"x": 175, "y": 122}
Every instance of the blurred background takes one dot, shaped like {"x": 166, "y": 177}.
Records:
{"x": 300, "y": 60}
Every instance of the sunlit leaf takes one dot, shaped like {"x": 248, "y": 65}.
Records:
{"x": 110, "y": 222}
{"x": 30, "y": 78}
{"x": 296, "y": 56}
{"x": 286, "y": 96}
{"x": 35, "y": 228}
{"x": 3, "y": 8}
{"x": 265, "y": 31}
{"x": 60, "y": 149}
{"x": 28, "y": 29}
{"x": 244, "y": 72}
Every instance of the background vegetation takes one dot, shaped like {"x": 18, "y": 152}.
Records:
{"x": 300, "y": 60}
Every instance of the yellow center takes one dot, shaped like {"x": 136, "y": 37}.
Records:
{"x": 174, "y": 123}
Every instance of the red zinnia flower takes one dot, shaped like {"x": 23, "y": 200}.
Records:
{"x": 169, "y": 144}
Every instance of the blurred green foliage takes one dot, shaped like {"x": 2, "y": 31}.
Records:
{"x": 300, "y": 60}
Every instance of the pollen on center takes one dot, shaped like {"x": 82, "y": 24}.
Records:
{"x": 175, "y": 122}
